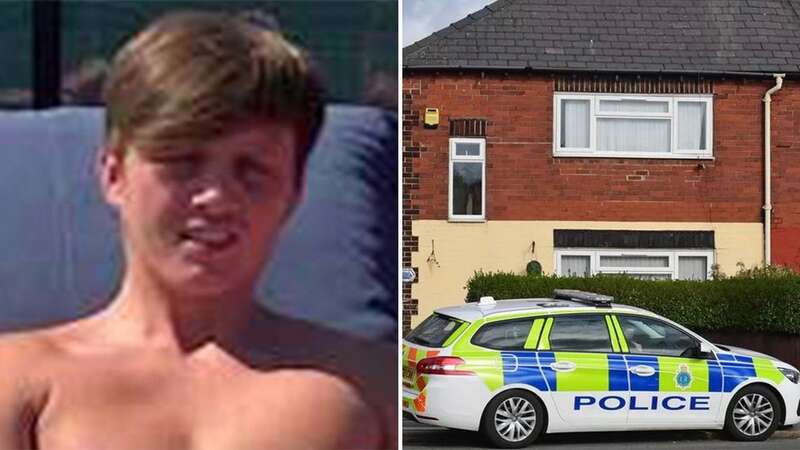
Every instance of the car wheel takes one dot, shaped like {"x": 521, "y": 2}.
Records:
{"x": 513, "y": 419}
{"x": 753, "y": 414}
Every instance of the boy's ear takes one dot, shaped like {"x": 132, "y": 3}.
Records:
{"x": 109, "y": 165}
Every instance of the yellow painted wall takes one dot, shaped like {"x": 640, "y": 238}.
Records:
{"x": 449, "y": 253}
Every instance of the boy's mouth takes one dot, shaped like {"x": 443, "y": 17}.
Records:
{"x": 209, "y": 238}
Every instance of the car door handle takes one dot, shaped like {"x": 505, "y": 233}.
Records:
{"x": 563, "y": 366}
{"x": 644, "y": 371}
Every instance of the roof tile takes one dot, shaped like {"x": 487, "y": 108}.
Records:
{"x": 673, "y": 35}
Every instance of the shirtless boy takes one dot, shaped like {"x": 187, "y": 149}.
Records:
{"x": 209, "y": 121}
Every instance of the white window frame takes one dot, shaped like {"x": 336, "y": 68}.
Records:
{"x": 709, "y": 254}
{"x": 455, "y": 158}
{"x": 569, "y": 252}
{"x": 557, "y": 124}
{"x": 671, "y": 115}
{"x": 595, "y": 254}
{"x": 708, "y": 100}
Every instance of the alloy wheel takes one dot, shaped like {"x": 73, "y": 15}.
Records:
{"x": 515, "y": 419}
{"x": 753, "y": 414}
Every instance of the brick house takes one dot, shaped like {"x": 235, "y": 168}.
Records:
{"x": 601, "y": 136}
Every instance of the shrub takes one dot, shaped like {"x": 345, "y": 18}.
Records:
{"x": 761, "y": 299}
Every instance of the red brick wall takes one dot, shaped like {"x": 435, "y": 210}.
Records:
{"x": 525, "y": 182}
{"x": 410, "y": 200}
{"x": 786, "y": 175}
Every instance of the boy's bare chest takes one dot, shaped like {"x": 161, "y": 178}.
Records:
{"x": 120, "y": 409}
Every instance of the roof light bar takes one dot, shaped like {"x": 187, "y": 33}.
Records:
{"x": 588, "y": 298}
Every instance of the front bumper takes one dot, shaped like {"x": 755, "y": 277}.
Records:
{"x": 791, "y": 397}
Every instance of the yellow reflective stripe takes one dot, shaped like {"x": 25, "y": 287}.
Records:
{"x": 533, "y": 336}
{"x": 612, "y": 333}
{"x": 455, "y": 334}
{"x": 766, "y": 369}
{"x": 487, "y": 364}
{"x": 590, "y": 375}
{"x": 622, "y": 342}
{"x": 544, "y": 343}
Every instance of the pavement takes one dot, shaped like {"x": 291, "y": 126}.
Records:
{"x": 420, "y": 436}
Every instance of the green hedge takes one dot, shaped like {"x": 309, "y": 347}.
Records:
{"x": 761, "y": 300}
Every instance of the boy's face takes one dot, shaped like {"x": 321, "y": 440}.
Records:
{"x": 204, "y": 221}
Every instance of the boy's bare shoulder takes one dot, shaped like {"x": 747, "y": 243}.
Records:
{"x": 24, "y": 384}
{"x": 370, "y": 365}
{"x": 32, "y": 352}
{"x": 24, "y": 350}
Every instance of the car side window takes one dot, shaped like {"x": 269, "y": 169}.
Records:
{"x": 583, "y": 333}
{"x": 505, "y": 335}
{"x": 654, "y": 337}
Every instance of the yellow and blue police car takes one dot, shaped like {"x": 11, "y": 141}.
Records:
{"x": 515, "y": 369}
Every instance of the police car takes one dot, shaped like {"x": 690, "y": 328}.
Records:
{"x": 515, "y": 369}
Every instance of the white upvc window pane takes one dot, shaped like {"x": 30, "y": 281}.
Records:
{"x": 635, "y": 261}
{"x": 575, "y": 123}
{"x": 633, "y": 135}
{"x": 467, "y": 188}
{"x": 633, "y": 126}
{"x": 691, "y": 125}
{"x": 468, "y": 149}
{"x": 692, "y": 267}
{"x": 575, "y": 265}
{"x": 633, "y": 106}
{"x": 645, "y": 264}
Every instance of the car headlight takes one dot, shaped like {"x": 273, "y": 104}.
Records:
{"x": 790, "y": 374}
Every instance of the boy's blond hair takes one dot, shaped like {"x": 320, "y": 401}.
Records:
{"x": 190, "y": 76}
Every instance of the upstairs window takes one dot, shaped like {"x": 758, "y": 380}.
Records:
{"x": 633, "y": 126}
{"x": 467, "y": 179}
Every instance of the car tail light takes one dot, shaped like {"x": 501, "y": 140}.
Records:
{"x": 441, "y": 365}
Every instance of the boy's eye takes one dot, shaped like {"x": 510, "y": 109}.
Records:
{"x": 252, "y": 168}
{"x": 181, "y": 165}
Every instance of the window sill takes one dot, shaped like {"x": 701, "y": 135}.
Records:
{"x": 466, "y": 219}
{"x": 632, "y": 156}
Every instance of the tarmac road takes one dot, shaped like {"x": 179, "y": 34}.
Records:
{"x": 423, "y": 437}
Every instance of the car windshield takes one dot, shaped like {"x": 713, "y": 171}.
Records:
{"x": 434, "y": 331}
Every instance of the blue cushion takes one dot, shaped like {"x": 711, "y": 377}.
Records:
{"x": 337, "y": 261}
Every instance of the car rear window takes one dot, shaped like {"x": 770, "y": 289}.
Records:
{"x": 506, "y": 335}
{"x": 434, "y": 331}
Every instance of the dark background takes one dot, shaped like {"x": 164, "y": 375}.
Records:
{"x": 354, "y": 42}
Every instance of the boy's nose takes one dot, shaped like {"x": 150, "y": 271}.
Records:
{"x": 216, "y": 197}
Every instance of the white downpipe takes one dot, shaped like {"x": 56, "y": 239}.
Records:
{"x": 768, "y": 168}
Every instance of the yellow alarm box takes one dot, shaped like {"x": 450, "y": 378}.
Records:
{"x": 431, "y": 117}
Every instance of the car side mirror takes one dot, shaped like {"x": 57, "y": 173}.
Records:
{"x": 705, "y": 350}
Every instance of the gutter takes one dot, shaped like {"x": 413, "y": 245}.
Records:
{"x": 768, "y": 168}
{"x": 521, "y": 68}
